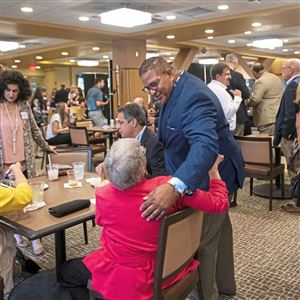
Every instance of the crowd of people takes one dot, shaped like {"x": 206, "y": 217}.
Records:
{"x": 192, "y": 160}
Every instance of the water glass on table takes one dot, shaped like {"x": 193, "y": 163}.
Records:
{"x": 78, "y": 168}
{"x": 37, "y": 191}
{"x": 52, "y": 172}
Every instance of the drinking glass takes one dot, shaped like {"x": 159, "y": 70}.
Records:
{"x": 78, "y": 168}
{"x": 37, "y": 191}
{"x": 71, "y": 178}
{"x": 52, "y": 172}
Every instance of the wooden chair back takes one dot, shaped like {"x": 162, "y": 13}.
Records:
{"x": 69, "y": 156}
{"x": 179, "y": 240}
{"x": 79, "y": 136}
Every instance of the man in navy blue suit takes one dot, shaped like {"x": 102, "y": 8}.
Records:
{"x": 285, "y": 125}
{"x": 193, "y": 130}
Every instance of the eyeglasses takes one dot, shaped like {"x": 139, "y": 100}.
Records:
{"x": 121, "y": 122}
{"x": 283, "y": 68}
{"x": 153, "y": 86}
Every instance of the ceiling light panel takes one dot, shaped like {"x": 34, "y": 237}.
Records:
{"x": 125, "y": 17}
{"x": 26, "y": 9}
{"x": 8, "y": 46}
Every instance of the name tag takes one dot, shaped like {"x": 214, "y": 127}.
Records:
{"x": 24, "y": 115}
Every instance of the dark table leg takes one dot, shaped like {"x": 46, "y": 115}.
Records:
{"x": 60, "y": 249}
{"x": 110, "y": 139}
{"x": 277, "y": 160}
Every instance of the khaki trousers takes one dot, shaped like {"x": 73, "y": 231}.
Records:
{"x": 7, "y": 255}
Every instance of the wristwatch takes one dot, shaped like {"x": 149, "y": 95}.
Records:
{"x": 178, "y": 186}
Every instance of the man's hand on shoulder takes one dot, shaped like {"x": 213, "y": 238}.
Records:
{"x": 158, "y": 201}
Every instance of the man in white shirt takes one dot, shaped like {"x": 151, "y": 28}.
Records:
{"x": 220, "y": 74}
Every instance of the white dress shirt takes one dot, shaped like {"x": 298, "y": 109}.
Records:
{"x": 229, "y": 105}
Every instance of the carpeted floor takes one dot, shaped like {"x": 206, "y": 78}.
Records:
{"x": 266, "y": 247}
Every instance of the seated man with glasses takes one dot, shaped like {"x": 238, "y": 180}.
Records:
{"x": 132, "y": 124}
{"x": 123, "y": 267}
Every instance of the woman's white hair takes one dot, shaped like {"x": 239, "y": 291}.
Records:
{"x": 125, "y": 163}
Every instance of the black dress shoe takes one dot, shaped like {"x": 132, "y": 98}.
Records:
{"x": 233, "y": 204}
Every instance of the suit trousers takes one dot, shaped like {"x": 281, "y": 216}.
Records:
{"x": 239, "y": 129}
{"x": 74, "y": 276}
{"x": 216, "y": 257}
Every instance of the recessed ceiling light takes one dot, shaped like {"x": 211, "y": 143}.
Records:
{"x": 14, "y": 66}
{"x": 222, "y": 58}
{"x": 210, "y": 37}
{"x": 285, "y": 41}
{"x": 171, "y": 17}
{"x": 38, "y": 67}
{"x": 296, "y": 52}
{"x": 285, "y": 50}
{"x": 39, "y": 57}
{"x": 249, "y": 45}
{"x": 267, "y": 43}
{"x": 271, "y": 48}
{"x": 168, "y": 53}
{"x": 248, "y": 32}
{"x": 170, "y": 37}
{"x": 209, "y": 31}
{"x": 17, "y": 61}
{"x": 96, "y": 48}
{"x": 22, "y": 46}
{"x": 256, "y": 24}
{"x": 231, "y": 41}
{"x": 105, "y": 56}
{"x": 223, "y": 7}
{"x": 171, "y": 57}
{"x": 26, "y": 9}
{"x": 88, "y": 63}
{"x": 83, "y": 19}
{"x": 64, "y": 53}
{"x": 72, "y": 60}
{"x": 8, "y": 46}
{"x": 126, "y": 17}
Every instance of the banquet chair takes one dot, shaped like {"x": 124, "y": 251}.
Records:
{"x": 178, "y": 242}
{"x": 259, "y": 162}
{"x": 68, "y": 156}
{"x": 80, "y": 138}
{"x": 43, "y": 128}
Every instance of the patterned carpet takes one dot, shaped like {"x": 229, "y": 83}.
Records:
{"x": 266, "y": 247}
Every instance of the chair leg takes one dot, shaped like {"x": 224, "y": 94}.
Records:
{"x": 282, "y": 185}
{"x": 271, "y": 194}
{"x": 86, "y": 239}
{"x": 43, "y": 159}
{"x": 93, "y": 222}
{"x": 251, "y": 186}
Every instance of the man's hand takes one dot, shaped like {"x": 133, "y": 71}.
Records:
{"x": 158, "y": 201}
{"x": 214, "y": 172}
{"x": 236, "y": 93}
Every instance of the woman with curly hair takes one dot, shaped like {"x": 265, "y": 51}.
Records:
{"x": 18, "y": 130}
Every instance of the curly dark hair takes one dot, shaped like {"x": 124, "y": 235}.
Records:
{"x": 15, "y": 77}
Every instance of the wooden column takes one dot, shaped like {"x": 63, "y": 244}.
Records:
{"x": 184, "y": 58}
{"x": 128, "y": 55}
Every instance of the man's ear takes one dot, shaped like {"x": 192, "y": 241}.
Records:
{"x": 134, "y": 122}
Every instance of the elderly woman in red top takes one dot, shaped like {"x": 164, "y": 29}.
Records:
{"x": 123, "y": 266}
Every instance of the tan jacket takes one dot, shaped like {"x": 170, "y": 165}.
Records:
{"x": 265, "y": 99}
{"x": 31, "y": 133}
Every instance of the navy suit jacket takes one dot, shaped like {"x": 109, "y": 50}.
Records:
{"x": 285, "y": 125}
{"x": 238, "y": 82}
{"x": 154, "y": 154}
{"x": 193, "y": 130}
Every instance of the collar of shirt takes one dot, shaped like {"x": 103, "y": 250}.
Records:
{"x": 139, "y": 136}
{"x": 291, "y": 79}
{"x": 219, "y": 83}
